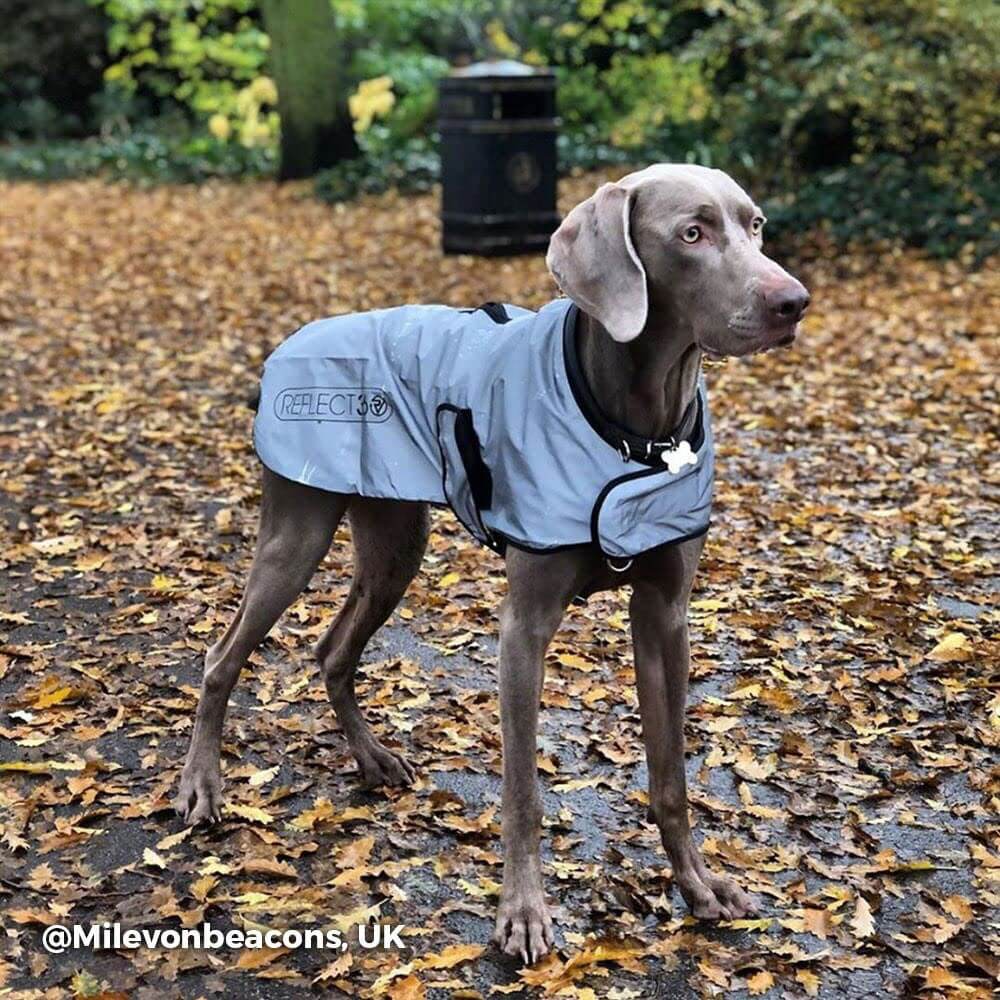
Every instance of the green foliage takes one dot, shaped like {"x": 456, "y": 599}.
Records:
{"x": 878, "y": 115}
{"x": 874, "y": 118}
{"x": 200, "y": 55}
{"x": 52, "y": 53}
{"x": 806, "y": 84}
{"x": 886, "y": 200}
{"x": 411, "y": 166}
{"x": 141, "y": 157}
{"x": 414, "y": 77}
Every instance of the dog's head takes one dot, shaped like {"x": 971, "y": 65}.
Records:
{"x": 677, "y": 248}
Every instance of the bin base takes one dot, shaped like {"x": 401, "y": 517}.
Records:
{"x": 497, "y": 236}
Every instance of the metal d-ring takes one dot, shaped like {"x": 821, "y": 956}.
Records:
{"x": 619, "y": 569}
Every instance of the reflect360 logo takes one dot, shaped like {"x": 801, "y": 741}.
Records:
{"x": 113, "y": 937}
{"x": 337, "y": 403}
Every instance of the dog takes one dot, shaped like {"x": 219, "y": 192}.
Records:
{"x": 660, "y": 269}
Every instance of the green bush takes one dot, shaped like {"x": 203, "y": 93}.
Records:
{"x": 141, "y": 156}
{"x": 886, "y": 200}
{"x": 52, "y": 53}
{"x": 871, "y": 118}
{"x": 204, "y": 58}
{"x": 412, "y": 166}
{"x": 197, "y": 54}
{"x": 802, "y": 85}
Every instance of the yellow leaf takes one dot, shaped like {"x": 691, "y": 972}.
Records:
{"x": 173, "y": 839}
{"x": 251, "y": 813}
{"x": 708, "y": 604}
{"x": 344, "y": 922}
{"x": 163, "y": 582}
{"x": 85, "y": 984}
{"x": 151, "y": 858}
{"x": 753, "y": 770}
{"x": 356, "y": 853}
{"x": 41, "y": 766}
{"x": 957, "y": 907}
{"x": 576, "y": 662}
{"x": 953, "y": 647}
{"x": 760, "y": 982}
{"x": 219, "y": 126}
{"x": 89, "y": 562}
{"x": 201, "y": 887}
{"x": 862, "y": 923}
{"x": 486, "y": 888}
{"x": 32, "y": 917}
{"x": 809, "y": 980}
{"x": 58, "y": 546}
{"x": 575, "y": 784}
{"x": 262, "y": 777}
{"x": 758, "y": 924}
{"x": 939, "y": 978}
{"x": 451, "y": 956}
{"x": 335, "y": 968}
{"x": 410, "y": 988}
{"x": 255, "y": 958}
{"x": 48, "y": 698}
{"x": 213, "y": 866}
{"x": 269, "y": 866}
{"x": 448, "y": 579}
{"x": 322, "y": 810}
{"x": 714, "y": 974}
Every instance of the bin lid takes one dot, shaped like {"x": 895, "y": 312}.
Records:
{"x": 499, "y": 67}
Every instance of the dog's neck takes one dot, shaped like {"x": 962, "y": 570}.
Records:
{"x": 645, "y": 385}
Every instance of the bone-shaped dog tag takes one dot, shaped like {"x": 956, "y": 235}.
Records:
{"x": 678, "y": 457}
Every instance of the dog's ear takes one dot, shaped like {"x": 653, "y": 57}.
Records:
{"x": 593, "y": 259}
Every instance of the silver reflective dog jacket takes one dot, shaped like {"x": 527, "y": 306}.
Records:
{"x": 485, "y": 410}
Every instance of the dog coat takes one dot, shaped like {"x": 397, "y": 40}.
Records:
{"x": 485, "y": 410}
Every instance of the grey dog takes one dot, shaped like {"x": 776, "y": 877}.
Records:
{"x": 666, "y": 267}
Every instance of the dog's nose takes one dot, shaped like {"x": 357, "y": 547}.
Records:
{"x": 788, "y": 302}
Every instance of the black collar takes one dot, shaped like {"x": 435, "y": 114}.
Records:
{"x": 628, "y": 445}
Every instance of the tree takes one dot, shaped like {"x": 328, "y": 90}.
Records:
{"x": 308, "y": 66}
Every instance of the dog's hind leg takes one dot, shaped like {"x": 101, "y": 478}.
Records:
{"x": 296, "y": 526}
{"x": 389, "y": 540}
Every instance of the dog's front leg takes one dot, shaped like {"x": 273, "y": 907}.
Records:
{"x": 528, "y": 619}
{"x": 662, "y": 659}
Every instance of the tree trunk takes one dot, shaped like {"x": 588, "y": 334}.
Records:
{"x": 309, "y": 69}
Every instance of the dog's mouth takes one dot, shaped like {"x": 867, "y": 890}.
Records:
{"x": 767, "y": 339}
{"x": 711, "y": 355}
{"x": 781, "y": 338}
{"x": 780, "y": 335}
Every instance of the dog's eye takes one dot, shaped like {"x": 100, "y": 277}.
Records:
{"x": 691, "y": 235}
{"x": 757, "y": 226}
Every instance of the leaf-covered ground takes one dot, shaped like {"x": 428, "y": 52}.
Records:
{"x": 845, "y": 711}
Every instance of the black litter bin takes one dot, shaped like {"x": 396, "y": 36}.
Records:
{"x": 498, "y": 159}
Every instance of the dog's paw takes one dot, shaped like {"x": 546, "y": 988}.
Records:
{"x": 713, "y": 897}
{"x": 727, "y": 892}
{"x": 524, "y": 926}
{"x": 379, "y": 766}
{"x": 199, "y": 798}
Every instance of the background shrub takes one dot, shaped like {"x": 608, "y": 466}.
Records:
{"x": 869, "y": 118}
{"x": 52, "y": 55}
